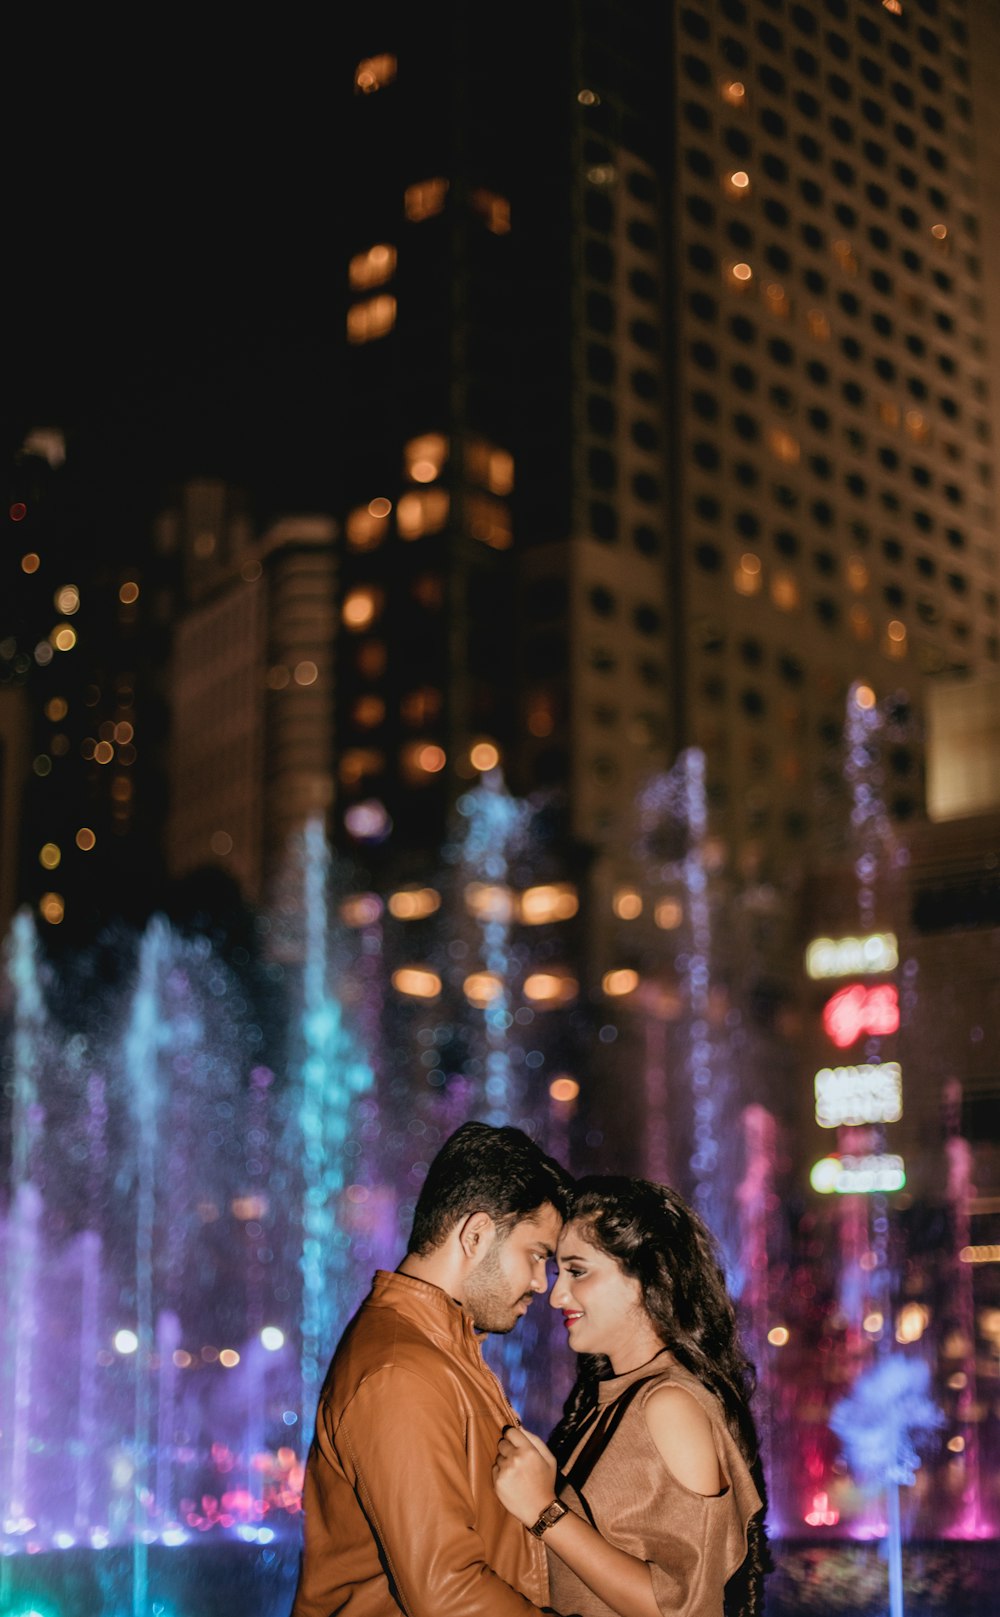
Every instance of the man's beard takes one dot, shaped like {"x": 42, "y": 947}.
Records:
{"x": 487, "y": 1296}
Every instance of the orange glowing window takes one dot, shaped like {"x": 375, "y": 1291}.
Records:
{"x": 361, "y": 607}
{"x": 784, "y": 592}
{"x": 424, "y": 457}
{"x": 428, "y": 590}
{"x": 366, "y": 527}
{"x": 819, "y": 325}
{"x": 420, "y": 761}
{"x": 421, "y": 706}
{"x": 368, "y": 712}
{"x": 374, "y": 73}
{"x": 359, "y": 762}
{"x": 489, "y": 521}
{"x": 373, "y": 267}
{"x": 490, "y": 466}
{"x": 422, "y": 511}
{"x": 372, "y": 658}
{"x": 748, "y": 575}
{"x": 371, "y": 319}
{"x": 425, "y": 198}
{"x": 493, "y": 209}
{"x": 784, "y": 445}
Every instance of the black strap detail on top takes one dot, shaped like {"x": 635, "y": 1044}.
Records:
{"x": 604, "y": 1429}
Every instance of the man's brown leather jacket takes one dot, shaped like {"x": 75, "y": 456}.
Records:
{"x": 400, "y": 1512}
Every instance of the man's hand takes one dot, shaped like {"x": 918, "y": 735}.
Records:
{"x": 524, "y": 1474}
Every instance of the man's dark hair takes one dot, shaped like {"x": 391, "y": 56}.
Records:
{"x": 482, "y": 1169}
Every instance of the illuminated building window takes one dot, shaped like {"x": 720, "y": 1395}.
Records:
{"x": 861, "y": 624}
{"x": 895, "y": 639}
{"x": 555, "y": 901}
{"x": 420, "y": 761}
{"x": 368, "y": 712}
{"x": 361, "y": 909}
{"x": 739, "y": 276}
{"x": 52, "y": 908}
{"x": 374, "y": 73}
{"x": 857, "y": 574}
{"x": 843, "y": 252}
{"x": 734, "y": 93}
{"x": 372, "y": 658}
{"x": 777, "y": 300}
{"x": 423, "y": 200}
{"x": 481, "y": 988}
{"x": 541, "y": 714}
{"x": 490, "y": 466}
{"x": 737, "y": 183}
{"x": 423, "y": 511}
{"x": 428, "y": 590}
{"x": 627, "y": 903}
{"x": 620, "y": 982}
{"x": 493, "y": 209}
{"x": 366, "y": 525}
{"x": 424, "y": 457}
{"x": 917, "y": 426}
{"x": 361, "y": 607}
{"x": 784, "y": 445}
{"x": 819, "y": 325}
{"x": 359, "y": 762}
{"x": 418, "y": 981}
{"x": 490, "y": 902}
{"x": 549, "y": 989}
{"x": 373, "y": 267}
{"x": 669, "y": 914}
{"x": 421, "y": 706}
{"x": 784, "y": 592}
{"x": 489, "y": 521}
{"x": 414, "y": 903}
{"x": 895, "y": 6}
{"x": 373, "y": 318}
{"x": 748, "y": 576}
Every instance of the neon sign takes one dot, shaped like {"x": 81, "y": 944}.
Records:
{"x": 849, "y": 1096}
{"x": 855, "y": 1010}
{"x": 852, "y": 957}
{"x": 858, "y": 1176}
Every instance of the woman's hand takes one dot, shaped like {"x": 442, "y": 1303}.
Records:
{"x": 524, "y": 1474}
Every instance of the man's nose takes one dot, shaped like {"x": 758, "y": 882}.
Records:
{"x": 540, "y": 1281}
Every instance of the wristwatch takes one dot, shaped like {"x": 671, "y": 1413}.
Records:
{"x": 550, "y": 1515}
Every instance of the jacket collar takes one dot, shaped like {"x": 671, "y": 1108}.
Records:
{"x": 424, "y": 1303}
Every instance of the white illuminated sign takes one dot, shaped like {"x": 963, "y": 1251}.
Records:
{"x": 857, "y": 1176}
{"x": 849, "y": 1096}
{"x": 852, "y": 957}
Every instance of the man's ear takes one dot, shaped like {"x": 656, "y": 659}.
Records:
{"x": 476, "y": 1235}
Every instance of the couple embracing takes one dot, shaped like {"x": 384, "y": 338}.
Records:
{"x": 425, "y": 1495}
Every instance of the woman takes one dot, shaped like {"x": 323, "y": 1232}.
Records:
{"x": 652, "y": 1496}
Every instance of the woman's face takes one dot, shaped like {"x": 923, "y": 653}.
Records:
{"x": 601, "y": 1305}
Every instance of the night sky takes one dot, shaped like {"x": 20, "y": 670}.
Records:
{"x": 171, "y": 257}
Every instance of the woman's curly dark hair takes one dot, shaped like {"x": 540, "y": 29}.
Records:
{"x": 660, "y": 1241}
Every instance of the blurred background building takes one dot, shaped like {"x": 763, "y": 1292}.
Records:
{"x": 664, "y": 452}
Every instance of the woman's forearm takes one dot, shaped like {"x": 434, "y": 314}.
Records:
{"x": 621, "y": 1580}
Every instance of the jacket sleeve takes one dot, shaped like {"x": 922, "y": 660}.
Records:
{"x": 402, "y": 1442}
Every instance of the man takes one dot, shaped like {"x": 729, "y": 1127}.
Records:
{"x": 400, "y": 1509}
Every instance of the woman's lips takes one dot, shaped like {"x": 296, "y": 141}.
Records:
{"x": 570, "y": 1318}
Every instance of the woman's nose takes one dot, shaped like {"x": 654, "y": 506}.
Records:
{"x": 560, "y": 1293}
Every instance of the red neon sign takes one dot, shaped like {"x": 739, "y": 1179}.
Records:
{"x": 855, "y": 1010}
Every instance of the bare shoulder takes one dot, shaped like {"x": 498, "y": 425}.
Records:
{"x": 682, "y": 1432}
